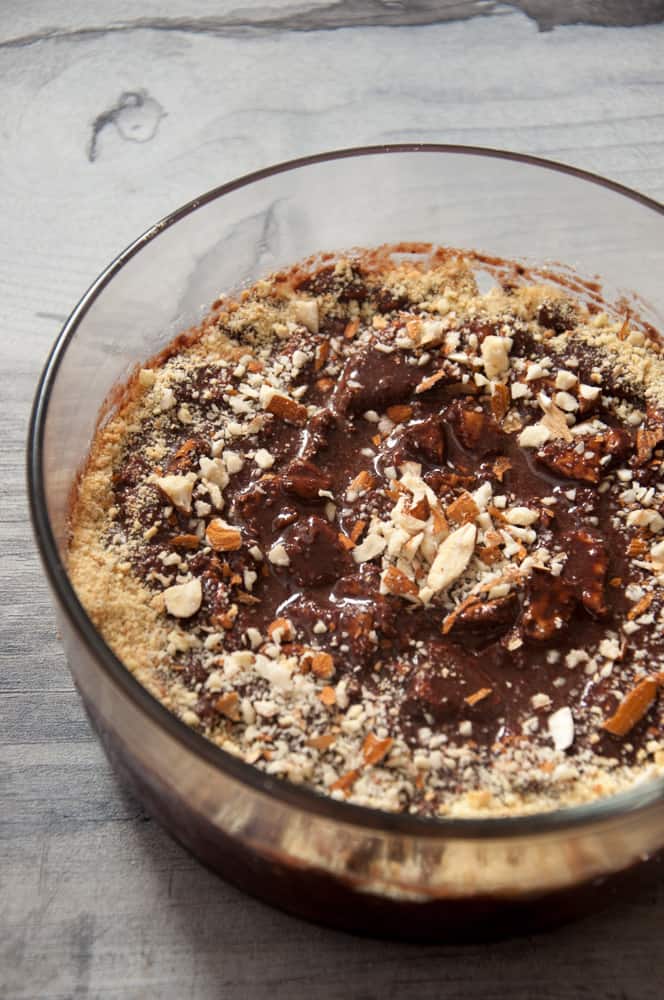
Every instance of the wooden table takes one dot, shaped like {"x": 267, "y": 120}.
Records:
{"x": 113, "y": 114}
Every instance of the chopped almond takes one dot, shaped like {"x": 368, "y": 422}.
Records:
{"x": 321, "y": 664}
{"x": 351, "y": 329}
{"x": 178, "y": 489}
{"x": 450, "y": 620}
{"x": 397, "y": 490}
{"x": 463, "y": 510}
{"x": 413, "y": 328}
{"x": 500, "y": 467}
{"x": 185, "y": 448}
{"x": 358, "y": 528}
{"x": 453, "y": 555}
{"x": 345, "y": 541}
{"x": 228, "y": 705}
{"x": 511, "y": 575}
{"x": 500, "y": 400}
{"x": 324, "y": 384}
{"x": 495, "y": 355}
{"x": 623, "y": 332}
{"x": 637, "y": 546}
{"x": 183, "y": 599}
{"x": 328, "y": 696}
{"x": 399, "y": 413}
{"x": 479, "y": 695}
{"x": 396, "y": 582}
{"x": 640, "y": 607}
{"x": 632, "y": 708}
{"x": 375, "y": 750}
{"x": 419, "y": 510}
{"x": 489, "y": 554}
{"x": 345, "y": 782}
{"x": 287, "y": 409}
{"x": 322, "y": 354}
{"x": 555, "y": 421}
{"x": 283, "y": 627}
{"x": 183, "y": 457}
{"x": 359, "y": 623}
{"x": 245, "y": 598}
{"x": 429, "y": 382}
{"x": 225, "y": 620}
{"x": 646, "y": 441}
{"x": 496, "y": 513}
{"x": 222, "y": 538}
{"x": 493, "y": 538}
{"x": 322, "y": 742}
{"x": 363, "y": 481}
{"x": 185, "y": 541}
{"x": 439, "y": 520}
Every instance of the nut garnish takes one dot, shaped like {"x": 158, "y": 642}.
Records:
{"x": 463, "y": 510}
{"x": 281, "y": 630}
{"x": 328, "y": 696}
{"x": 399, "y": 413}
{"x": 322, "y": 354}
{"x": 394, "y": 581}
{"x": 306, "y": 312}
{"x": 561, "y": 727}
{"x": 222, "y": 537}
{"x": 500, "y": 400}
{"x": 632, "y": 708}
{"x": 322, "y": 742}
{"x": 229, "y": 705}
{"x": 345, "y": 782}
{"x": 640, "y": 607}
{"x": 320, "y": 663}
{"x": 495, "y": 355}
{"x": 374, "y": 749}
{"x": 477, "y": 696}
{"x": 178, "y": 489}
{"x": 185, "y": 541}
{"x": 453, "y": 556}
{"x": 183, "y": 599}
{"x": 647, "y": 440}
{"x": 554, "y": 419}
{"x": 429, "y": 382}
{"x": 285, "y": 408}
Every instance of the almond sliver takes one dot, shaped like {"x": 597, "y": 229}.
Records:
{"x": 452, "y": 557}
{"x": 632, "y": 708}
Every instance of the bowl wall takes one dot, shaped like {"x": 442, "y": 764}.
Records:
{"x": 336, "y": 863}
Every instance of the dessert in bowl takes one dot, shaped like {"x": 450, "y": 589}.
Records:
{"x": 383, "y": 544}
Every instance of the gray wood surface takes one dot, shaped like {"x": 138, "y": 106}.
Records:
{"x": 113, "y": 114}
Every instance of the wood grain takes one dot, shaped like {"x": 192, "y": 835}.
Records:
{"x": 104, "y": 131}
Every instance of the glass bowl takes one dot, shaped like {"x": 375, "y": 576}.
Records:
{"x": 337, "y": 863}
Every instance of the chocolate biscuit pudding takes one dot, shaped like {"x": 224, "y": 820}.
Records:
{"x": 378, "y": 533}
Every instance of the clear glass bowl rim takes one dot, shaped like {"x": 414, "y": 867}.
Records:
{"x": 611, "y": 808}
